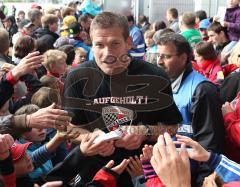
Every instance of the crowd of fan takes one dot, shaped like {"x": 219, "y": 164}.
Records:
{"x": 39, "y": 49}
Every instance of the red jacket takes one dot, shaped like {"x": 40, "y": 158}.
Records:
{"x": 211, "y": 69}
{"x": 154, "y": 182}
{"x": 232, "y": 129}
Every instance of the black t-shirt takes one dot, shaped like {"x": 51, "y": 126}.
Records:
{"x": 139, "y": 95}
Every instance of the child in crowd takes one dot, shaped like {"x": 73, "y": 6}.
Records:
{"x": 55, "y": 63}
{"x": 69, "y": 50}
{"x": 23, "y": 46}
{"x": 39, "y": 152}
{"x": 151, "y": 51}
{"x": 80, "y": 56}
{"x": 15, "y": 162}
{"x": 45, "y": 96}
{"x": 51, "y": 82}
{"x": 208, "y": 62}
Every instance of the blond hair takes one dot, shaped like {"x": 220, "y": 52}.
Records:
{"x": 52, "y": 56}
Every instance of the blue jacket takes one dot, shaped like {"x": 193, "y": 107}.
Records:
{"x": 138, "y": 50}
{"x": 40, "y": 158}
{"x": 183, "y": 99}
{"x": 226, "y": 169}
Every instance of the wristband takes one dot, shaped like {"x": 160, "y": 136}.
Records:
{"x": 10, "y": 78}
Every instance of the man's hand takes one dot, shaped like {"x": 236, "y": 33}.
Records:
{"x": 6, "y": 142}
{"x": 27, "y": 65}
{"x": 130, "y": 141}
{"x": 197, "y": 153}
{"x": 103, "y": 148}
{"x": 226, "y": 108}
{"x": 167, "y": 162}
{"x": 49, "y": 117}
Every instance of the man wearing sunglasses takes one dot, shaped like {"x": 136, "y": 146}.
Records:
{"x": 196, "y": 98}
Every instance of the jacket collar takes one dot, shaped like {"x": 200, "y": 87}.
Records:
{"x": 176, "y": 84}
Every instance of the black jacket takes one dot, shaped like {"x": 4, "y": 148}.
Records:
{"x": 207, "y": 122}
{"x": 46, "y": 35}
{"x": 7, "y": 90}
{"x": 230, "y": 87}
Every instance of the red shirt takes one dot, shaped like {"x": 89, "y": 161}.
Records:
{"x": 232, "y": 130}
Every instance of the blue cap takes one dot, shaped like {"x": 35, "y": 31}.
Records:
{"x": 204, "y": 24}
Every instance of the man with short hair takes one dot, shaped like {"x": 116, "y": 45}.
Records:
{"x": 219, "y": 38}
{"x": 114, "y": 88}
{"x": 25, "y": 27}
{"x": 35, "y": 16}
{"x": 172, "y": 18}
{"x": 143, "y": 23}
{"x": 203, "y": 26}
{"x": 196, "y": 98}
{"x": 48, "y": 30}
{"x": 186, "y": 24}
{"x": 199, "y": 16}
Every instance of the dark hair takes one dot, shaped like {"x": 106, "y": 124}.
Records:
{"x": 45, "y": 96}
{"x": 23, "y": 46}
{"x": 188, "y": 19}
{"x": 21, "y": 12}
{"x": 84, "y": 18}
{"x": 34, "y": 14}
{"x": 4, "y": 40}
{"x": 106, "y": 20}
{"x": 143, "y": 19}
{"x": 206, "y": 50}
{"x": 42, "y": 45}
{"x": 201, "y": 14}
{"x": 173, "y": 12}
{"x": 130, "y": 18}
{"x": 158, "y": 25}
{"x": 181, "y": 44}
{"x": 161, "y": 33}
{"x": 217, "y": 28}
{"x": 49, "y": 81}
{"x": 70, "y": 52}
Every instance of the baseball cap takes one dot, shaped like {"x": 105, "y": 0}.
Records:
{"x": 18, "y": 150}
{"x": 67, "y": 21}
{"x": 204, "y": 24}
{"x": 35, "y": 5}
{"x": 25, "y": 23}
{"x": 74, "y": 29}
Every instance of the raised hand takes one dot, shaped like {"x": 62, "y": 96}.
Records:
{"x": 167, "y": 162}
{"x": 89, "y": 148}
{"x": 6, "y": 142}
{"x": 197, "y": 153}
{"x": 27, "y": 65}
{"x": 134, "y": 167}
{"x": 119, "y": 168}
